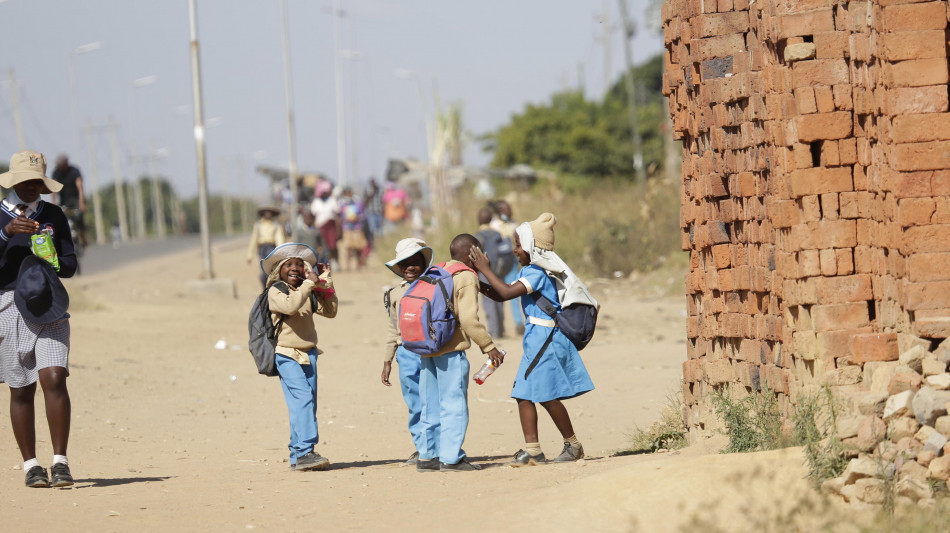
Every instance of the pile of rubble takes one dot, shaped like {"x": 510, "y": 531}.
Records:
{"x": 898, "y": 435}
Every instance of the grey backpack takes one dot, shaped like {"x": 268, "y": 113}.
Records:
{"x": 263, "y": 332}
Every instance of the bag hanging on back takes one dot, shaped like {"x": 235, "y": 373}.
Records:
{"x": 263, "y": 332}
{"x": 427, "y": 319}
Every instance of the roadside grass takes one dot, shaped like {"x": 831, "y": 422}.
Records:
{"x": 667, "y": 433}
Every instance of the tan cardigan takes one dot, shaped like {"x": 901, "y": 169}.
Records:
{"x": 298, "y": 334}
{"x": 465, "y": 296}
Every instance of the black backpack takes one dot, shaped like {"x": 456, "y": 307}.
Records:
{"x": 263, "y": 332}
{"x": 576, "y": 321}
{"x": 499, "y": 250}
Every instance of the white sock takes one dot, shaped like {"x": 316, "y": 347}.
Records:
{"x": 60, "y": 459}
{"x": 27, "y": 465}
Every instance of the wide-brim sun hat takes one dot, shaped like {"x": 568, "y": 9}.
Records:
{"x": 264, "y": 208}
{"x": 39, "y": 294}
{"x": 288, "y": 251}
{"x": 28, "y": 165}
{"x": 407, "y": 248}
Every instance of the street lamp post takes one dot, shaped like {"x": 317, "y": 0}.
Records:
{"x": 207, "y": 272}
{"x": 74, "y": 106}
{"x": 291, "y": 124}
{"x": 136, "y": 181}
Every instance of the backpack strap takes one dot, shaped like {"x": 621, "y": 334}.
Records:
{"x": 534, "y": 362}
{"x": 545, "y": 305}
{"x": 455, "y": 268}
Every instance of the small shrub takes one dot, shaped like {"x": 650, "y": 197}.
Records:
{"x": 667, "y": 433}
{"x": 814, "y": 422}
{"x": 752, "y": 423}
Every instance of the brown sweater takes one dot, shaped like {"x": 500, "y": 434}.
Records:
{"x": 298, "y": 334}
{"x": 465, "y": 296}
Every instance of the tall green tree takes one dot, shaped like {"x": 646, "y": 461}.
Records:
{"x": 574, "y": 135}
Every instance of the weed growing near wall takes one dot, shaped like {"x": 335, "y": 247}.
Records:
{"x": 814, "y": 427}
{"x": 753, "y": 423}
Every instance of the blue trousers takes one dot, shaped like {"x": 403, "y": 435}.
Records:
{"x": 409, "y": 364}
{"x": 516, "y": 313}
{"x": 443, "y": 386}
{"x": 494, "y": 316}
{"x": 300, "y": 392}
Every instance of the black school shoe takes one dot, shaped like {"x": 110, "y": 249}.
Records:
{"x": 36, "y": 478}
{"x": 461, "y": 466}
{"x": 311, "y": 461}
{"x": 61, "y": 475}
{"x": 427, "y": 465}
{"x": 523, "y": 458}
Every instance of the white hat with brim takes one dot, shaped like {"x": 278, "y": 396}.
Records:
{"x": 407, "y": 248}
{"x": 25, "y": 166}
{"x": 288, "y": 251}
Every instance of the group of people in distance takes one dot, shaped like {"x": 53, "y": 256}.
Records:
{"x": 435, "y": 386}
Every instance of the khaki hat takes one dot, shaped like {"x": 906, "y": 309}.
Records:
{"x": 543, "y": 230}
{"x": 287, "y": 251}
{"x": 271, "y": 208}
{"x": 407, "y": 248}
{"x": 25, "y": 166}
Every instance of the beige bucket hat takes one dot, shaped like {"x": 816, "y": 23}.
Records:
{"x": 286, "y": 251}
{"x": 25, "y": 166}
{"x": 407, "y": 248}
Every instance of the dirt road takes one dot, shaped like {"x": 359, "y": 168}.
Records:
{"x": 171, "y": 433}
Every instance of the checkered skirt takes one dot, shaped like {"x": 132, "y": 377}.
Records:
{"x": 26, "y": 348}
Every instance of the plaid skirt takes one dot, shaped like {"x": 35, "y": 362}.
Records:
{"x": 27, "y": 348}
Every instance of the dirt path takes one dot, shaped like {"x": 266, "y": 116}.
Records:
{"x": 170, "y": 433}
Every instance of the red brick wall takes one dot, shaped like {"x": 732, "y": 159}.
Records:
{"x": 816, "y": 188}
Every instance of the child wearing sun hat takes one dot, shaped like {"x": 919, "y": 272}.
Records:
{"x": 34, "y": 324}
{"x": 298, "y": 290}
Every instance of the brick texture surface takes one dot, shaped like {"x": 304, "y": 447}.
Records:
{"x": 816, "y": 197}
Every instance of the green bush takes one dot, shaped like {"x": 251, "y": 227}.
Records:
{"x": 814, "y": 428}
{"x": 753, "y": 423}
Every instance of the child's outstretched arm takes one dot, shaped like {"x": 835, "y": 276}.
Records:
{"x": 496, "y": 289}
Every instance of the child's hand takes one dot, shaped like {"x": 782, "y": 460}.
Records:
{"x": 479, "y": 260}
{"x": 387, "y": 369}
{"x": 497, "y": 357}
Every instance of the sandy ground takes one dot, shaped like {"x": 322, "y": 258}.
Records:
{"x": 171, "y": 433}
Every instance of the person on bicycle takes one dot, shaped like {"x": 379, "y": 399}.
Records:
{"x": 71, "y": 197}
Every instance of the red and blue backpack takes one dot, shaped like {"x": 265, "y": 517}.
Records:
{"x": 427, "y": 319}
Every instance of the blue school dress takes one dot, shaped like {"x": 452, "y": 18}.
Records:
{"x": 560, "y": 374}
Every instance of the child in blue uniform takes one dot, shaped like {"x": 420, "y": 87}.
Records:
{"x": 559, "y": 373}
{"x": 413, "y": 258}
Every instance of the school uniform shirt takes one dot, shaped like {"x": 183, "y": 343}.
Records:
{"x": 298, "y": 334}
{"x": 393, "y": 337}
{"x": 465, "y": 296}
{"x": 14, "y": 248}
{"x": 265, "y": 232}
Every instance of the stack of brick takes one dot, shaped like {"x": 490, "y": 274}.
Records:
{"x": 816, "y": 188}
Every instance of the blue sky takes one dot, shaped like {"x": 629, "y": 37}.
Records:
{"x": 494, "y": 56}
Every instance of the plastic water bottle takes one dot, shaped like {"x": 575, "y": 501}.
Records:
{"x": 485, "y": 371}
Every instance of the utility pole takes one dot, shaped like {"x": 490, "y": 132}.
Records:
{"x": 241, "y": 178}
{"x": 629, "y": 30}
{"x": 291, "y": 125}
{"x": 604, "y": 41}
{"x": 226, "y": 196}
{"x": 20, "y": 139}
{"x": 158, "y": 205}
{"x": 119, "y": 186}
{"x": 338, "y": 70}
{"x": 96, "y": 204}
{"x": 206, "y": 272}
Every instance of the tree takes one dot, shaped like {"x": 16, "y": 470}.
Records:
{"x": 574, "y": 135}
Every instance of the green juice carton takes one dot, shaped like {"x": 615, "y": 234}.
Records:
{"x": 43, "y": 247}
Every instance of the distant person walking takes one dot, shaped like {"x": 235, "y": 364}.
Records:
{"x": 499, "y": 251}
{"x": 72, "y": 197}
{"x": 326, "y": 212}
{"x": 504, "y": 223}
{"x": 395, "y": 204}
{"x": 266, "y": 235}
{"x": 354, "y": 242}
{"x": 34, "y": 324}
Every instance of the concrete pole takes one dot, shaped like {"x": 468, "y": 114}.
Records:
{"x": 119, "y": 185}
{"x": 20, "y": 139}
{"x": 291, "y": 124}
{"x": 158, "y": 205}
{"x": 206, "y": 272}
{"x": 226, "y": 196}
{"x": 94, "y": 174}
{"x": 245, "y": 224}
{"x": 629, "y": 32}
{"x": 340, "y": 118}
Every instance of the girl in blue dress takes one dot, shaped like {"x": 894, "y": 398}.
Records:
{"x": 559, "y": 373}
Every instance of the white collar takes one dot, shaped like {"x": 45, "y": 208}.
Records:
{"x": 30, "y": 207}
